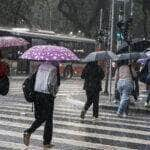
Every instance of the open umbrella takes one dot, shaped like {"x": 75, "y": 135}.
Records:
{"x": 49, "y": 53}
{"x": 101, "y": 55}
{"x": 137, "y": 45}
{"x": 133, "y": 56}
{"x": 10, "y": 41}
{"x": 143, "y": 60}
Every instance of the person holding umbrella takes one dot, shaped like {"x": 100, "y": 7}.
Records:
{"x": 46, "y": 85}
{"x": 124, "y": 80}
{"x": 93, "y": 74}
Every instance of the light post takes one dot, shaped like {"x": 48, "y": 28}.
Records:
{"x": 111, "y": 45}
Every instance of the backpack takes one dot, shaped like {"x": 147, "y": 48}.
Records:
{"x": 144, "y": 73}
{"x": 28, "y": 88}
{"x": 4, "y": 85}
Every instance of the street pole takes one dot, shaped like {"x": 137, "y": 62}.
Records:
{"x": 111, "y": 44}
{"x": 131, "y": 13}
{"x": 124, "y": 9}
{"x": 100, "y": 24}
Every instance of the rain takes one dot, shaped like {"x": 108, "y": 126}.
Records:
{"x": 74, "y": 75}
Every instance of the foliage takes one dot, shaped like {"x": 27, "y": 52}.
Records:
{"x": 64, "y": 16}
{"x": 83, "y": 14}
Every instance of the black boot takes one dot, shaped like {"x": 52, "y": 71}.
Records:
{"x": 82, "y": 114}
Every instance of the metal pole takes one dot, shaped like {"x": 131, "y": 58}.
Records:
{"x": 100, "y": 19}
{"x": 131, "y": 13}
{"x": 111, "y": 45}
{"x": 100, "y": 23}
{"x": 124, "y": 16}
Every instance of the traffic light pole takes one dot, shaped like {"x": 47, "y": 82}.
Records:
{"x": 100, "y": 24}
{"x": 111, "y": 46}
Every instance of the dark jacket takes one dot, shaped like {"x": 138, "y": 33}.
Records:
{"x": 93, "y": 74}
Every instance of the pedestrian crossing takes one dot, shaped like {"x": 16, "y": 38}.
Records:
{"x": 70, "y": 132}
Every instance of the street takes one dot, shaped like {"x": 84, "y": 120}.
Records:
{"x": 71, "y": 133}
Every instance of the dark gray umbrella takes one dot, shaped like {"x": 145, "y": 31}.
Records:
{"x": 137, "y": 45}
{"x": 100, "y": 55}
{"x": 133, "y": 56}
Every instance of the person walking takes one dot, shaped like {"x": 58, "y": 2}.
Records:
{"x": 46, "y": 90}
{"x": 93, "y": 74}
{"x": 124, "y": 85}
{"x": 4, "y": 72}
{"x": 148, "y": 84}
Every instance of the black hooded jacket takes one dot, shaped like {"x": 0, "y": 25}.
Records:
{"x": 93, "y": 75}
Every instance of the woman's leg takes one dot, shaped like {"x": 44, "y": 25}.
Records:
{"x": 87, "y": 104}
{"x": 48, "y": 129}
{"x": 127, "y": 88}
{"x": 96, "y": 104}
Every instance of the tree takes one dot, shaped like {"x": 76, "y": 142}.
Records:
{"x": 83, "y": 14}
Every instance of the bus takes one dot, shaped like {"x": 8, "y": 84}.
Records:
{"x": 79, "y": 45}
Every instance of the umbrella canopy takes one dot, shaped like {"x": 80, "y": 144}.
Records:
{"x": 101, "y": 55}
{"x": 137, "y": 45}
{"x": 10, "y": 41}
{"x": 133, "y": 56}
{"x": 49, "y": 53}
{"x": 143, "y": 60}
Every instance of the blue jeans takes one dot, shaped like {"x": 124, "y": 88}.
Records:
{"x": 125, "y": 88}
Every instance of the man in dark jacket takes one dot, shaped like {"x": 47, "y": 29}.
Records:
{"x": 93, "y": 75}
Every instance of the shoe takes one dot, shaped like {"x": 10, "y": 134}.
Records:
{"x": 48, "y": 146}
{"x": 118, "y": 114}
{"x": 95, "y": 119}
{"x": 82, "y": 114}
{"x": 146, "y": 104}
{"x": 26, "y": 138}
{"x": 124, "y": 115}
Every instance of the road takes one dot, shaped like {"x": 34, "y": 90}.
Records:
{"x": 70, "y": 132}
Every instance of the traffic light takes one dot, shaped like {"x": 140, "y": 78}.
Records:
{"x": 120, "y": 36}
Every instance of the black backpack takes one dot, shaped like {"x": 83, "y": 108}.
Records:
{"x": 4, "y": 85}
{"x": 28, "y": 88}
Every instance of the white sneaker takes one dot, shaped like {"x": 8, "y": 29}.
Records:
{"x": 94, "y": 119}
{"x": 146, "y": 104}
{"x": 124, "y": 115}
{"x": 118, "y": 114}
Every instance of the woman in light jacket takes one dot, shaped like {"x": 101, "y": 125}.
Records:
{"x": 124, "y": 76}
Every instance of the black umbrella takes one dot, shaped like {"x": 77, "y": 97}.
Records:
{"x": 100, "y": 55}
{"x": 137, "y": 45}
{"x": 130, "y": 56}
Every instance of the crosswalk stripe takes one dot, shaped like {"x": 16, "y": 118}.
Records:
{"x": 79, "y": 133}
{"x": 73, "y": 114}
{"x": 96, "y": 127}
{"x": 68, "y": 110}
{"x": 55, "y": 121}
{"x": 66, "y": 141}
{"x": 10, "y": 145}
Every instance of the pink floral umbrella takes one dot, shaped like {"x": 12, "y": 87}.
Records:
{"x": 49, "y": 53}
{"x": 10, "y": 41}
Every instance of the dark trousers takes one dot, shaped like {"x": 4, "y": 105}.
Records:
{"x": 92, "y": 98}
{"x": 148, "y": 98}
{"x": 44, "y": 105}
{"x": 148, "y": 90}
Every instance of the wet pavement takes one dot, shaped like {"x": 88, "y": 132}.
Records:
{"x": 108, "y": 132}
